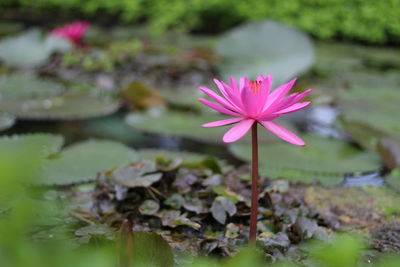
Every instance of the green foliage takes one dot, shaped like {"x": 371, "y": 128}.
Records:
{"x": 366, "y": 20}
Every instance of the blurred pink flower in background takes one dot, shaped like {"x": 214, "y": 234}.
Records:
{"x": 252, "y": 102}
{"x": 72, "y": 31}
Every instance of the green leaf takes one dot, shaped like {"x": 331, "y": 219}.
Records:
{"x": 324, "y": 160}
{"x": 153, "y": 154}
{"x": 150, "y": 249}
{"x": 181, "y": 124}
{"x": 380, "y": 105}
{"x": 82, "y": 161}
{"x": 134, "y": 176}
{"x": 149, "y": 207}
{"x": 48, "y": 144}
{"x": 21, "y": 86}
{"x": 29, "y": 97}
{"x": 30, "y": 49}
{"x": 262, "y": 48}
{"x": 221, "y": 207}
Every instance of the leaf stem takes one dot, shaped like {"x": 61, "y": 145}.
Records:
{"x": 254, "y": 186}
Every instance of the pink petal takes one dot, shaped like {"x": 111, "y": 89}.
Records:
{"x": 238, "y": 131}
{"x": 268, "y": 117}
{"x": 218, "y": 107}
{"x": 303, "y": 95}
{"x": 263, "y": 92}
{"x": 233, "y": 84}
{"x": 222, "y": 122}
{"x": 230, "y": 94}
{"x": 249, "y": 101}
{"x": 242, "y": 83}
{"x": 293, "y": 108}
{"x": 218, "y": 98}
{"x": 278, "y": 94}
{"x": 260, "y": 78}
{"x": 282, "y": 133}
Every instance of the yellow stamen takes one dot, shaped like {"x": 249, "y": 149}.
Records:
{"x": 255, "y": 86}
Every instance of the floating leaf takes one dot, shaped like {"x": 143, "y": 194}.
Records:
{"x": 6, "y": 121}
{"x": 138, "y": 175}
{"x": 30, "y": 49}
{"x": 181, "y": 124}
{"x": 82, "y": 161}
{"x": 67, "y": 106}
{"x": 358, "y": 102}
{"x": 48, "y": 143}
{"x": 324, "y": 160}
{"x": 27, "y": 96}
{"x": 221, "y": 207}
{"x": 265, "y": 47}
{"x": 153, "y": 154}
{"x": 149, "y": 207}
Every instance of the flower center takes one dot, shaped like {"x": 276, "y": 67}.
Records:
{"x": 255, "y": 86}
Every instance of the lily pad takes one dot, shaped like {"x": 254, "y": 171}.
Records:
{"x": 6, "y": 121}
{"x": 182, "y": 124}
{"x": 30, "y": 49}
{"x": 29, "y": 97}
{"x": 324, "y": 160}
{"x": 381, "y": 105}
{"x": 265, "y": 47}
{"x": 48, "y": 143}
{"x": 22, "y": 86}
{"x": 82, "y": 161}
{"x": 68, "y": 106}
{"x": 153, "y": 154}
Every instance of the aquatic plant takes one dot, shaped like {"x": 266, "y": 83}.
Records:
{"x": 250, "y": 103}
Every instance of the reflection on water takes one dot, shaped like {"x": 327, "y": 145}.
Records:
{"x": 370, "y": 179}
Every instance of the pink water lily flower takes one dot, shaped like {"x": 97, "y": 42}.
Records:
{"x": 72, "y": 32}
{"x": 253, "y": 102}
